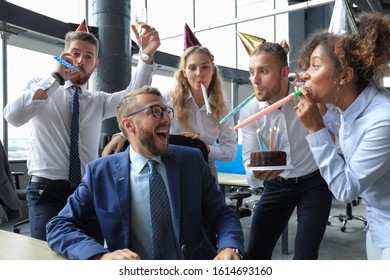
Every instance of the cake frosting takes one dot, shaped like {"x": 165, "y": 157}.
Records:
{"x": 268, "y": 158}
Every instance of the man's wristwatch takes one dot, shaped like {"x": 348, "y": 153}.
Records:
{"x": 57, "y": 76}
{"x": 235, "y": 250}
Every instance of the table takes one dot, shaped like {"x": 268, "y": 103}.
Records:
{"x": 14, "y": 246}
{"x": 239, "y": 180}
{"x": 232, "y": 179}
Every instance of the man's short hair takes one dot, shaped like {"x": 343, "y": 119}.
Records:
{"x": 81, "y": 36}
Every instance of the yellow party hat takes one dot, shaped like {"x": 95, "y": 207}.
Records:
{"x": 250, "y": 42}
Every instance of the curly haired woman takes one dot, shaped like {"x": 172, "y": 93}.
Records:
{"x": 342, "y": 71}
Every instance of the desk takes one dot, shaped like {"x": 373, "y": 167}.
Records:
{"x": 14, "y": 246}
{"x": 231, "y": 179}
{"x": 239, "y": 180}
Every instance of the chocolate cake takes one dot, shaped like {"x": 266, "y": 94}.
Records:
{"x": 268, "y": 158}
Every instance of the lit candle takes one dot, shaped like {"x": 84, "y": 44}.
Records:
{"x": 267, "y": 110}
{"x": 206, "y": 101}
{"x": 277, "y": 143}
{"x": 238, "y": 108}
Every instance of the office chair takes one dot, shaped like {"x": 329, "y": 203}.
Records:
{"x": 238, "y": 196}
{"x": 344, "y": 218}
{"x": 105, "y": 138}
{"x": 21, "y": 193}
{"x": 234, "y": 192}
{"x": 181, "y": 140}
{"x": 9, "y": 199}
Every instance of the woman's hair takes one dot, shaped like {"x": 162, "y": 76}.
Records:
{"x": 367, "y": 52}
{"x": 81, "y": 36}
{"x": 129, "y": 103}
{"x": 280, "y": 51}
{"x": 180, "y": 93}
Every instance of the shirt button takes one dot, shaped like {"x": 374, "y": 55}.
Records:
{"x": 183, "y": 247}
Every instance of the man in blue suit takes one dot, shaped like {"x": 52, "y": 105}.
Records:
{"x": 115, "y": 190}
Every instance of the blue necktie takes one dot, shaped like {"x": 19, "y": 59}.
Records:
{"x": 74, "y": 159}
{"x": 163, "y": 240}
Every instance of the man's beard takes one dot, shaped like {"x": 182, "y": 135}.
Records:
{"x": 271, "y": 93}
{"x": 148, "y": 140}
{"x": 79, "y": 80}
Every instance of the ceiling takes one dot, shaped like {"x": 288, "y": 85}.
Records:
{"x": 382, "y": 6}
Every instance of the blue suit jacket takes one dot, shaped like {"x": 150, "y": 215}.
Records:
{"x": 105, "y": 194}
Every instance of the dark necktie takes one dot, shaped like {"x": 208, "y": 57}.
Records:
{"x": 74, "y": 159}
{"x": 163, "y": 240}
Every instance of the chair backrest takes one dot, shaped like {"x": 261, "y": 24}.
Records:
{"x": 105, "y": 138}
{"x": 174, "y": 139}
{"x": 235, "y": 166}
{"x": 8, "y": 196}
{"x": 180, "y": 140}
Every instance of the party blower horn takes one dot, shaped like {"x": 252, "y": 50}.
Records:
{"x": 267, "y": 110}
{"x": 238, "y": 108}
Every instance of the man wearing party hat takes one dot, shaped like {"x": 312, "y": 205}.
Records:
{"x": 297, "y": 185}
{"x": 57, "y": 135}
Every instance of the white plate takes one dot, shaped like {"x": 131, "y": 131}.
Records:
{"x": 261, "y": 168}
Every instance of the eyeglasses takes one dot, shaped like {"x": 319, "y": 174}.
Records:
{"x": 157, "y": 111}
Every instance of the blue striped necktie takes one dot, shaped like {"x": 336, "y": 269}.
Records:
{"x": 163, "y": 238}
{"x": 74, "y": 159}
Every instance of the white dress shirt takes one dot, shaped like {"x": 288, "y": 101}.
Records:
{"x": 364, "y": 139}
{"x": 201, "y": 123}
{"x": 50, "y": 121}
{"x": 291, "y": 138}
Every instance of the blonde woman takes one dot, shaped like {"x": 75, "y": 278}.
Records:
{"x": 191, "y": 119}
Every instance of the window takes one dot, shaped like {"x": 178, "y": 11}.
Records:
{"x": 34, "y": 63}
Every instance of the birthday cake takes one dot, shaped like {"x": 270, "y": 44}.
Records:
{"x": 268, "y": 158}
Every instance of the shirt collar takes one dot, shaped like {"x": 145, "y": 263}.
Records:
{"x": 190, "y": 98}
{"x": 361, "y": 102}
{"x": 69, "y": 84}
{"x": 139, "y": 162}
